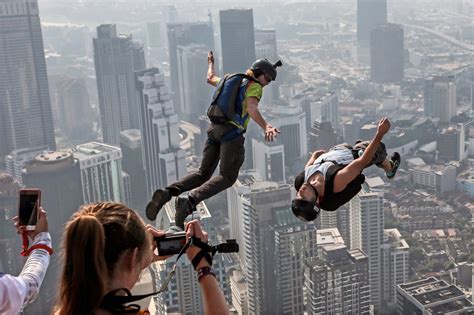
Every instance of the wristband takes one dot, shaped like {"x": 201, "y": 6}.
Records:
{"x": 26, "y": 252}
{"x": 204, "y": 271}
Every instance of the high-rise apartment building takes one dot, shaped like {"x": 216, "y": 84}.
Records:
{"x": 337, "y": 281}
{"x": 16, "y": 160}
{"x": 321, "y": 136}
{"x": 116, "y": 57}
{"x": 237, "y": 39}
{"x": 57, "y": 175}
{"x": 26, "y": 120}
{"x": 164, "y": 160}
{"x": 101, "y": 172}
{"x": 74, "y": 110}
{"x": 274, "y": 244}
{"x": 10, "y": 261}
{"x": 266, "y": 47}
{"x": 387, "y": 53}
{"x": 195, "y": 92}
{"x": 291, "y": 121}
{"x": 184, "y": 295}
{"x": 132, "y": 164}
{"x": 440, "y": 98}
{"x": 366, "y": 223}
{"x": 269, "y": 160}
{"x": 451, "y": 143}
{"x": 370, "y": 14}
{"x": 395, "y": 264}
{"x": 184, "y": 34}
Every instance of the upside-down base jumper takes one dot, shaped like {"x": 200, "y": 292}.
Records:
{"x": 235, "y": 101}
{"x": 332, "y": 178}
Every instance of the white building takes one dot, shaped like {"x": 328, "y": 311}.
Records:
{"x": 432, "y": 296}
{"x": 439, "y": 178}
{"x": 337, "y": 282}
{"x": 269, "y": 236}
{"x": 395, "y": 264}
{"x": 164, "y": 160}
{"x": 291, "y": 121}
{"x": 101, "y": 172}
{"x": 16, "y": 160}
{"x": 366, "y": 222}
{"x": 238, "y": 287}
{"x": 269, "y": 160}
{"x": 183, "y": 295}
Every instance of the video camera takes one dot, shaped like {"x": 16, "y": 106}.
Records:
{"x": 171, "y": 244}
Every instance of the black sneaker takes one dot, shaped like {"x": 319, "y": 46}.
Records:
{"x": 158, "y": 200}
{"x": 183, "y": 207}
{"x": 395, "y": 160}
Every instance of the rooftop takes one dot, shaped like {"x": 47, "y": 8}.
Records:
{"x": 436, "y": 295}
{"x": 92, "y": 149}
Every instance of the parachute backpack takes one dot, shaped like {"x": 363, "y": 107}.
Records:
{"x": 227, "y": 101}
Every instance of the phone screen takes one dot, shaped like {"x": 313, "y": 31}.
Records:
{"x": 28, "y": 212}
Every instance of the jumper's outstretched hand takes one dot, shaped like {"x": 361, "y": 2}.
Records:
{"x": 383, "y": 126}
{"x": 210, "y": 57}
{"x": 271, "y": 133}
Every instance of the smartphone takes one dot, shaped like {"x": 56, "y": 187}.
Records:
{"x": 28, "y": 207}
{"x": 170, "y": 244}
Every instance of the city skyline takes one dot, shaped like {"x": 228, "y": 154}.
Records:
{"x": 107, "y": 101}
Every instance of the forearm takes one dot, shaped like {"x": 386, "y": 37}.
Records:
{"x": 369, "y": 153}
{"x": 210, "y": 72}
{"x": 214, "y": 300}
{"x": 257, "y": 117}
{"x": 35, "y": 267}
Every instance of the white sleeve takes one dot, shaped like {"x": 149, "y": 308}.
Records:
{"x": 15, "y": 292}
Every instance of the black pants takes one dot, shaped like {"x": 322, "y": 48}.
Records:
{"x": 231, "y": 155}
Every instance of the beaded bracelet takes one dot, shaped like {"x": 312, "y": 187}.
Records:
{"x": 204, "y": 271}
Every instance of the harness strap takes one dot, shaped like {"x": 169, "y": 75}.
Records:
{"x": 204, "y": 253}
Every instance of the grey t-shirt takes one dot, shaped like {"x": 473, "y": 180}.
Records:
{"x": 338, "y": 154}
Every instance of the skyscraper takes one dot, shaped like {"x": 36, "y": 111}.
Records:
{"x": 237, "y": 39}
{"x": 370, "y": 14}
{"x": 75, "y": 112}
{"x": 116, "y": 57}
{"x": 269, "y": 160}
{"x": 366, "y": 222}
{"x": 337, "y": 282}
{"x": 58, "y": 176}
{"x": 440, "y": 98}
{"x": 184, "y": 34}
{"x": 10, "y": 261}
{"x": 15, "y": 161}
{"x": 387, "y": 53}
{"x": 183, "y": 295}
{"x": 291, "y": 121}
{"x": 195, "y": 92}
{"x": 164, "y": 160}
{"x": 395, "y": 264}
{"x": 26, "y": 120}
{"x": 101, "y": 172}
{"x": 266, "y": 47}
{"x": 274, "y": 244}
{"x": 132, "y": 163}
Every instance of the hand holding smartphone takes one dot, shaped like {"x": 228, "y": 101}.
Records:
{"x": 29, "y": 208}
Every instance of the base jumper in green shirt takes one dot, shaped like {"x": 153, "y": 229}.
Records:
{"x": 230, "y": 153}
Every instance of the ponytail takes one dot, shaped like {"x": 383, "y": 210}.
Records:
{"x": 94, "y": 240}
{"x": 84, "y": 278}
